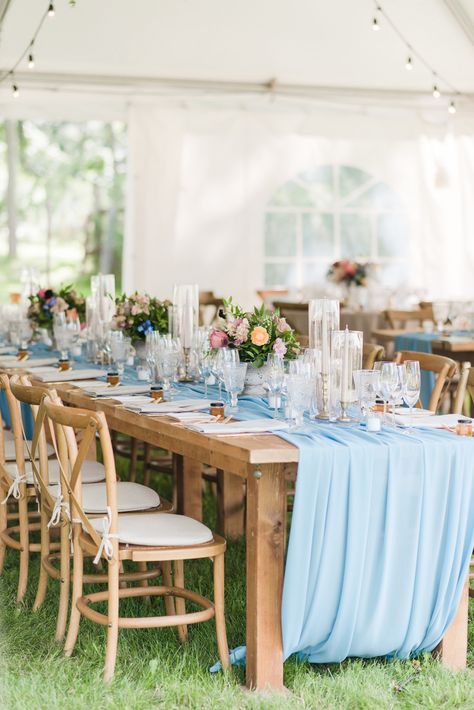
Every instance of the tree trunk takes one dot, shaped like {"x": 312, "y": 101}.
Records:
{"x": 12, "y": 161}
{"x": 49, "y": 236}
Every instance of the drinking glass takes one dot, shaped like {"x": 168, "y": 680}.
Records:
{"x": 234, "y": 380}
{"x": 221, "y": 357}
{"x": 411, "y": 389}
{"x": 167, "y": 362}
{"x": 299, "y": 399}
{"x": 389, "y": 381}
{"x": 440, "y": 314}
{"x": 367, "y": 386}
{"x": 275, "y": 373}
{"x": 121, "y": 349}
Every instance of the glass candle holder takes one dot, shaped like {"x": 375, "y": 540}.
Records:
{"x": 323, "y": 315}
{"x": 346, "y": 357}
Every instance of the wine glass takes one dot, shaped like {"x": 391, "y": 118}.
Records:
{"x": 219, "y": 359}
{"x": 234, "y": 381}
{"x": 275, "y": 373}
{"x": 389, "y": 381}
{"x": 411, "y": 388}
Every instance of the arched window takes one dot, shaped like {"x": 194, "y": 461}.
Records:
{"x": 329, "y": 213}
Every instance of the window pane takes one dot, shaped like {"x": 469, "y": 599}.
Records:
{"x": 318, "y": 234}
{"x": 351, "y": 179}
{"x": 378, "y": 197}
{"x": 356, "y": 236}
{"x": 391, "y": 234}
{"x": 280, "y": 234}
{"x": 280, "y": 275}
{"x": 314, "y": 273}
{"x": 292, "y": 194}
{"x": 320, "y": 181}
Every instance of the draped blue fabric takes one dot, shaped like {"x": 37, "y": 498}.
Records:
{"x": 381, "y": 537}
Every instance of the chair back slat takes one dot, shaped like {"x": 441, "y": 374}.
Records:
{"x": 443, "y": 367}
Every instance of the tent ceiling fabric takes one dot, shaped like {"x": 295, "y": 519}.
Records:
{"x": 308, "y": 42}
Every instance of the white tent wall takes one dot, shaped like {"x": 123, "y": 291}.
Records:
{"x": 200, "y": 180}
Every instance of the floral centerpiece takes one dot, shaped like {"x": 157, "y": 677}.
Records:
{"x": 139, "y": 314}
{"x": 348, "y": 272}
{"x": 46, "y": 302}
{"x": 254, "y": 334}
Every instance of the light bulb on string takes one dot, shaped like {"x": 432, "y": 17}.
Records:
{"x": 51, "y": 11}
{"x": 452, "y": 108}
{"x": 436, "y": 92}
{"x": 375, "y": 25}
{"x": 31, "y": 61}
{"x": 15, "y": 91}
{"x": 409, "y": 64}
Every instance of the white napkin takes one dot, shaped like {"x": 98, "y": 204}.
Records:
{"x": 180, "y": 405}
{"x": 27, "y": 364}
{"x": 7, "y": 350}
{"x": 251, "y": 426}
{"x": 69, "y": 375}
{"x": 417, "y": 412}
{"x": 434, "y": 421}
{"x": 112, "y": 391}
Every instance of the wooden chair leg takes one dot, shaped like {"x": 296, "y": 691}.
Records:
{"x": 64, "y": 583}
{"x": 168, "y": 581}
{"x": 3, "y": 525}
{"x": 132, "y": 471}
{"x": 180, "y": 602}
{"x": 146, "y": 464}
{"x": 24, "y": 540}
{"x": 221, "y": 632}
{"x": 113, "y": 614}
{"x": 44, "y": 553}
{"x": 77, "y": 576}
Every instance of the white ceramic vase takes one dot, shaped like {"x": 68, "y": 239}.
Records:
{"x": 254, "y": 380}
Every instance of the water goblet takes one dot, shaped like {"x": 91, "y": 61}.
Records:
{"x": 234, "y": 381}
{"x": 411, "y": 388}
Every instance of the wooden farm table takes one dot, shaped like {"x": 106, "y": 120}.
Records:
{"x": 388, "y": 335}
{"x": 263, "y": 462}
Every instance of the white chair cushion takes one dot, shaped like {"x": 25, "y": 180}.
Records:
{"x": 92, "y": 471}
{"x": 130, "y": 497}
{"x": 159, "y": 530}
{"x": 10, "y": 454}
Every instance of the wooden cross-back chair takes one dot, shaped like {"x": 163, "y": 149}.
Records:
{"x": 145, "y": 537}
{"x": 371, "y": 354}
{"x": 443, "y": 367}
{"x": 17, "y": 491}
{"x": 403, "y": 319}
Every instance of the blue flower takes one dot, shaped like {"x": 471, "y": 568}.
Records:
{"x": 145, "y": 327}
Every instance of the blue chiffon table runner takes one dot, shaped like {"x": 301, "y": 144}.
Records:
{"x": 381, "y": 537}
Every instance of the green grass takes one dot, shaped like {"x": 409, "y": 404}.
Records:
{"x": 155, "y": 671}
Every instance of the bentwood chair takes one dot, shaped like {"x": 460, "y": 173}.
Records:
{"x": 55, "y": 509}
{"x": 371, "y": 354}
{"x": 147, "y": 537}
{"x": 443, "y": 367}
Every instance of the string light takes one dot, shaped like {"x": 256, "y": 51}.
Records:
{"x": 375, "y": 25}
{"x": 413, "y": 53}
{"x": 15, "y": 91}
{"x": 51, "y": 11}
{"x": 31, "y": 61}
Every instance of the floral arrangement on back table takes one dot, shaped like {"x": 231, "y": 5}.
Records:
{"x": 255, "y": 334}
{"x": 46, "y": 302}
{"x": 348, "y": 272}
{"x": 139, "y": 314}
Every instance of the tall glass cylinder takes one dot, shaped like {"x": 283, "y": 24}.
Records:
{"x": 346, "y": 357}
{"x": 323, "y": 314}
{"x": 185, "y": 319}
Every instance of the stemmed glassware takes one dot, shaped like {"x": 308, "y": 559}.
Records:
{"x": 121, "y": 348}
{"x": 62, "y": 334}
{"x": 411, "y": 388}
{"x": 221, "y": 357}
{"x": 389, "y": 381}
{"x": 234, "y": 381}
{"x": 275, "y": 374}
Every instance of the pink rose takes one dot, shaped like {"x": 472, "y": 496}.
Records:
{"x": 279, "y": 347}
{"x": 218, "y": 339}
{"x": 42, "y": 293}
{"x": 282, "y": 325}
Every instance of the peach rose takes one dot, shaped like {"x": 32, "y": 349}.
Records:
{"x": 259, "y": 336}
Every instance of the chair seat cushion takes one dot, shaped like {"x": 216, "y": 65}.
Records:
{"x": 130, "y": 497}
{"x": 92, "y": 471}
{"x": 159, "y": 530}
{"x": 10, "y": 454}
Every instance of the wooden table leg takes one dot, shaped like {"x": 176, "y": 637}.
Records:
{"x": 452, "y": 650}
{"x": 266, "y": 510}
{"x": 230, "y": 504}
{"x": 188, "y": 477}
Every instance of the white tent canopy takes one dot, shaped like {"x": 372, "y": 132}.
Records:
{"x": 226, "y": 102}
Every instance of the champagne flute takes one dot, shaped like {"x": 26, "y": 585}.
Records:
{"x": 411, "y": 389}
